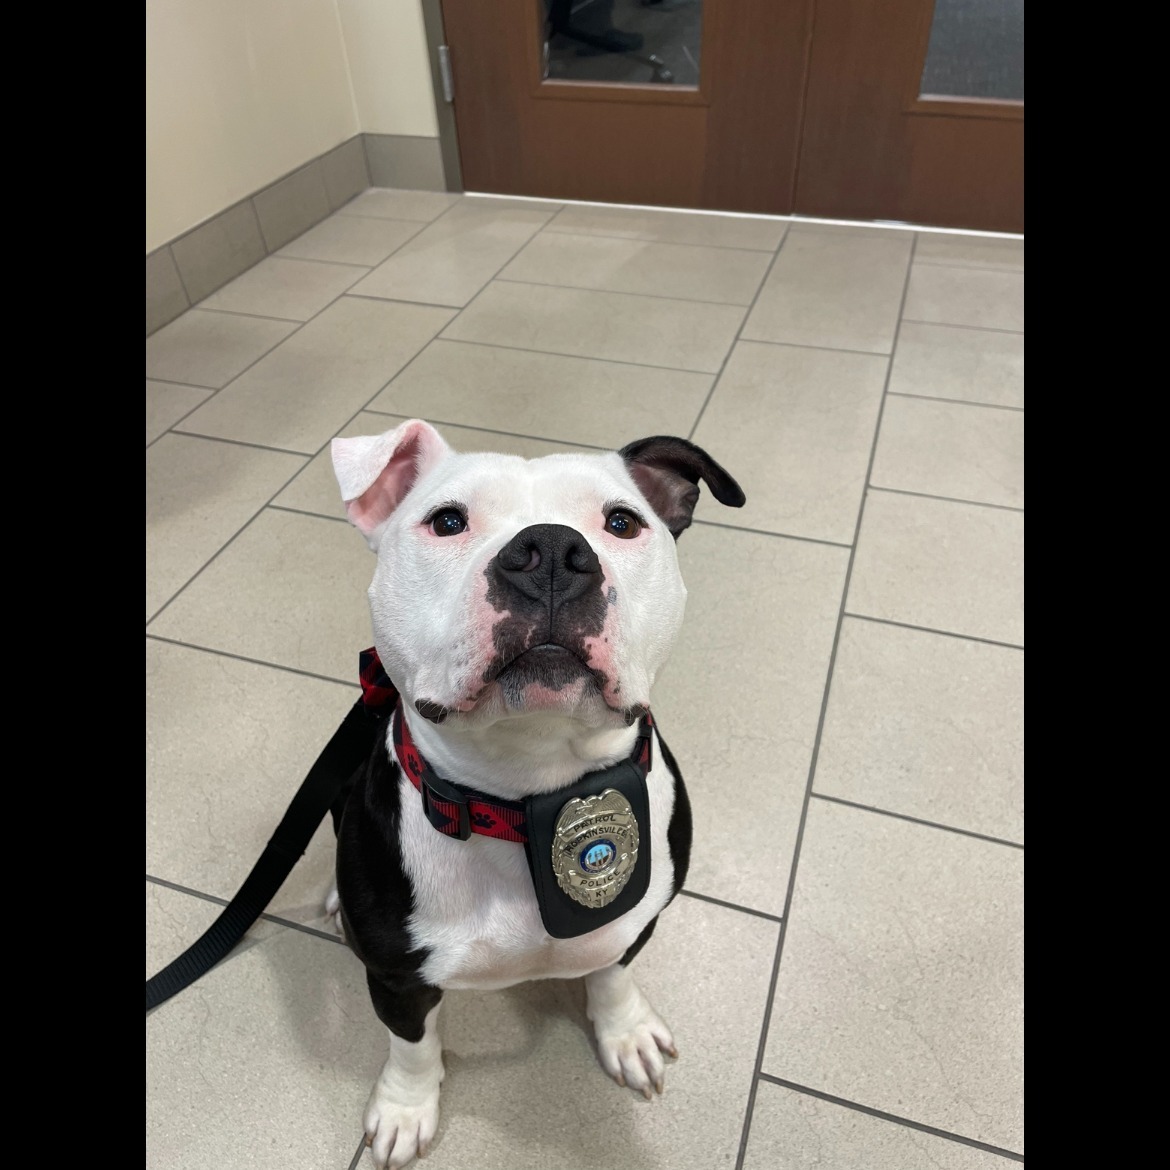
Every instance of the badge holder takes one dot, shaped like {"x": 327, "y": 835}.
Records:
{"x": 588, "y": 850}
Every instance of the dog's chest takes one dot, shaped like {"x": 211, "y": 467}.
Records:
{"x": 476, "y": 912}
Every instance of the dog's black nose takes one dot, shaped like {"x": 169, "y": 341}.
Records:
{"x": 548, "y": 563}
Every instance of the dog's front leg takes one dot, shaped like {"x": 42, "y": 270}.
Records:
{"x": 631, "y": 1036}
{"x": 403, "y": 1111}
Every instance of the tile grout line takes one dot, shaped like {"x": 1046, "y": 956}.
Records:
{"x": 873, "y": 487}
{"x": 425, "y": 222}
{"x": 960, "y": 401}
{"x": 584, "y": 235}
{"x": 173, "y": 382}
{"x": 419, "y": 223}
{"x": 957, "y": 325}
{"x": 621, "y": 292}
{"x": 305, "y": 512}
{"x": 357, "y": 296}
{"x": 885, "y": 812}
{"x": 865, "y": 617}
{"x": 367, "y": 268}
{"x": 555, "y": 215}
{"x": 735, "y": 340}
{"x": 328, "y": 678}
{"x": 560, "y": 353}
{"x": 492, "y": 431}
{"x": 892, "y": 1117}
{"x": 218, "y": 901}
{"x": 768, "y": 532}
{"x": 354, "y": 263}
{"x": 357, "y": 1157}
{"x": 269, "y": 316}
{"x": 206, "y": 897}
{"x": 971, "y": 267}
{"x": 787, "y": 911}
{"x": 171, "y": 429}
{"x": 179, "y": 273}
{"x": 238, "y": 442}
{"x": 729, "y": 905}
{"x": 822, "y": 348}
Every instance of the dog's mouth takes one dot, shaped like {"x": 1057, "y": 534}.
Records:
{"x": 550, "y": 664}
{"x": 547, "y": 676}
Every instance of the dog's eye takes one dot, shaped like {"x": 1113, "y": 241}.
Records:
{"x": 622, "y": 523}
{"x": 448, "y": 522}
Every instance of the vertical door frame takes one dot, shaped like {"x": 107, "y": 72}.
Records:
{"x": 432, "y": 12}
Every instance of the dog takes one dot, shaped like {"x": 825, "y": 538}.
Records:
{"x": 522, "y": 819}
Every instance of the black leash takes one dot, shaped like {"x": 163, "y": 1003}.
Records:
{"x": 347, "y": 751}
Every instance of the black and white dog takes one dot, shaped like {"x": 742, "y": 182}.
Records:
{"x": 522, "y": 820}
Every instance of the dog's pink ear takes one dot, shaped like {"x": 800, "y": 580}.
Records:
{"x": 375, "y": 472}
{"x": 667, "y": 471}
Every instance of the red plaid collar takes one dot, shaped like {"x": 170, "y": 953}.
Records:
{"x": 453, "y": 809}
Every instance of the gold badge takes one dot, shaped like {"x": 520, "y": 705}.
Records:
{"x": 595, "y": 848}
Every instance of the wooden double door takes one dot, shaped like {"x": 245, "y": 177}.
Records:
{"x": 906, "y": 110}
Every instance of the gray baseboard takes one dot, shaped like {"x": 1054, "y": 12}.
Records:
{"x": 193, "y": 266}
{"x": 396, "y": 160}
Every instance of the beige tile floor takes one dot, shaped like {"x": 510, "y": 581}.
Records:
{"x": 844, "y": 976}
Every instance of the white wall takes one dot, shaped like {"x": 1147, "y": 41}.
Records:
{"x": 240, "y": 92}
{"x": 386, "y": 44}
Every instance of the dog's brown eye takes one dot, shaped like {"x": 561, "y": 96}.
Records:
{"x": 622, "y": 523}
{"x": 448, "y": 522}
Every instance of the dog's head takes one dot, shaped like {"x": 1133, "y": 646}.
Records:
{"x": 507, "y": 586}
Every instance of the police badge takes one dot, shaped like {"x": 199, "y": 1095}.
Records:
{"x": 595, "y": 848}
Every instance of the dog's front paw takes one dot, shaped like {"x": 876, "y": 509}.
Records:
{"x": 396, "y": 1132}
{"x": 633, "y": 1056}
{"x": 631, "y": 1035}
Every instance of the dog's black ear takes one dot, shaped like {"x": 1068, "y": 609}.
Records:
{"x": 667, "y": 471}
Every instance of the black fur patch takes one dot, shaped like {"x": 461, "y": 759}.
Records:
{"x": 377, "y": 899}
{"x": 667, "y": 471}
{"x": 678, "y": 838}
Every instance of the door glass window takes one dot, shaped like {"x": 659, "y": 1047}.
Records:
{"x": 632, "y": 42}
{"x": 976, "y": 50}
